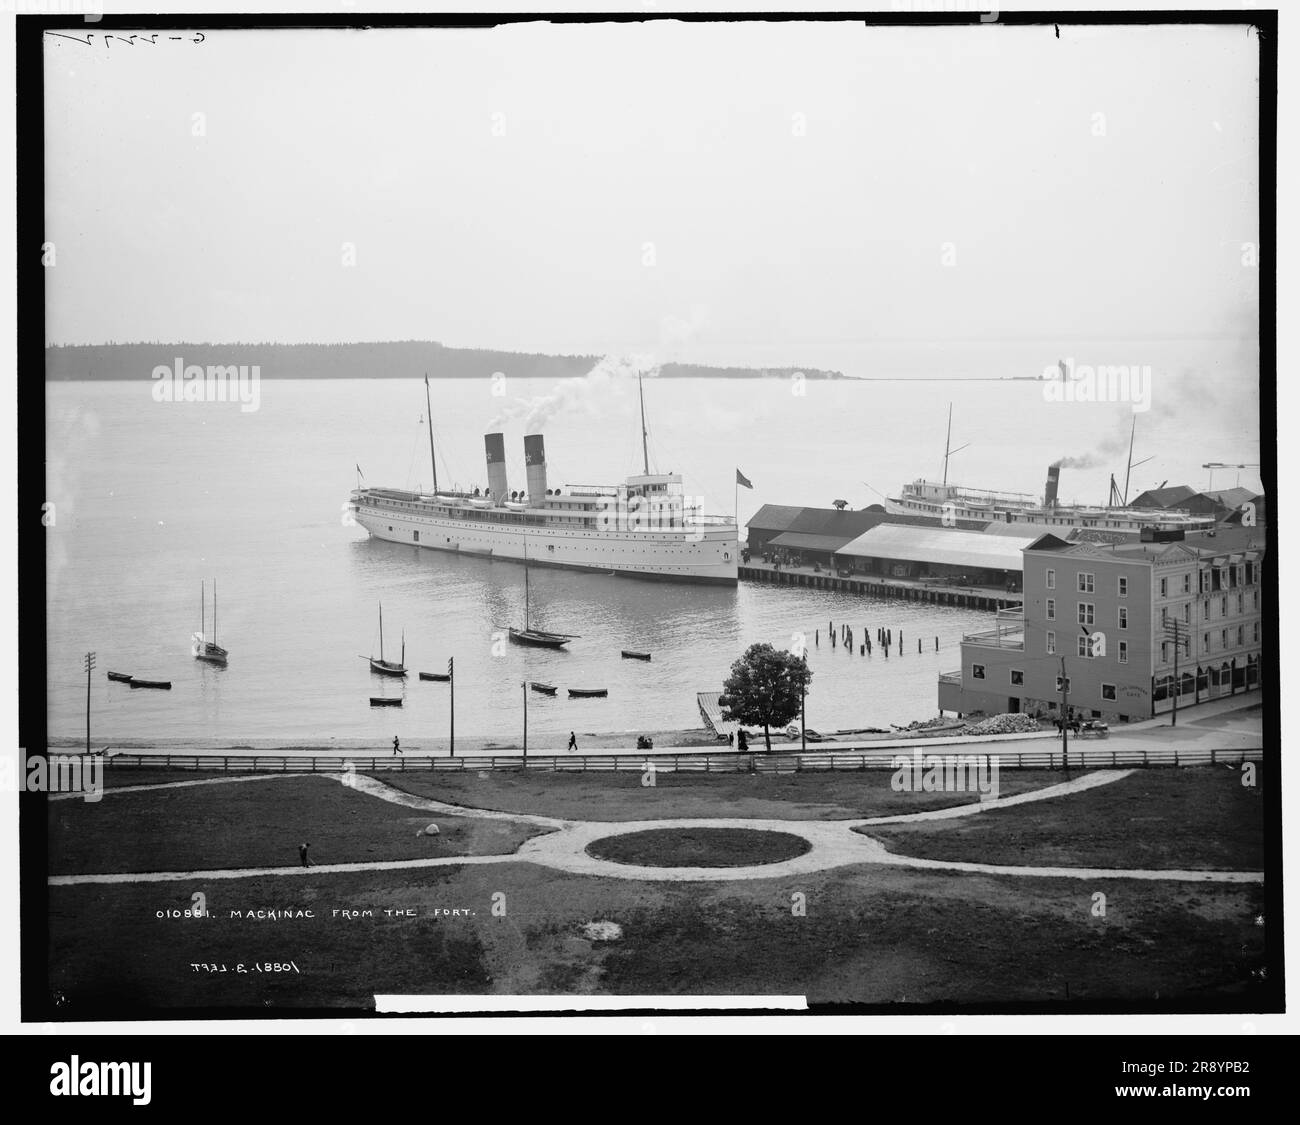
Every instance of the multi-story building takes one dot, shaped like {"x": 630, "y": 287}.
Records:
{"x": 1126, "y": 624}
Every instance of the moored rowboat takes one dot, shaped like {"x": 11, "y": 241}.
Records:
{"x": 384, "y": 701}
{"x": 120, "y": 677}
{"x": 588, "y": 693}
{"x": 544, "y": 689}
{"x": 162, "y": 685}
{"x": 437, "y": 677}
{"x": 628, "y": 654}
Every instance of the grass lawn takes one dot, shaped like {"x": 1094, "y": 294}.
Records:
{"x": 256, "y": 824}
{"x": 621, "y": 796}
{"x": 699, "y": 847}
{"x": 1198, "y": 817}
{"x": 866, "y": 934}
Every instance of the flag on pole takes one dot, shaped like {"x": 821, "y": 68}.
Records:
{"x": 741, "y": 479}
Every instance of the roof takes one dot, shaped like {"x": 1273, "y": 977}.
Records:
{"x": 802, "y": 541}
{"x": 1233, "y": 497}
{"x": 942, "y": 545}
{"x": 774, "y": 517}
{"x": 1164, "y": 497}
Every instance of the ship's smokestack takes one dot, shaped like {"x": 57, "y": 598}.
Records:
{"x": 1053, "y": 484}
{"x": 535, "y": 462}
{"x": 495, "y": 444}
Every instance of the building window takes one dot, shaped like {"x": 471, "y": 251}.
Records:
{"x": 1087, "y": 612}
{"x": 1187, "y": 583}
{"x": 1123, "y": 587}
{"x": 1085, "y": 646}
{"x": 1207, "y": 609}
{"x": 1123, "y": 652}
{"x": 1051, "y": 609}
{"x": 1123, "y": 617}
{"x": 1086, "y": 582}
{"x": 1051, "y": 644}
{"x": 1241, "y": 634}
{"x": 977, "y": 671}
{"x": 1051, "y": 579}
{"x": 1108, "y": 692}
{"x": 1164, "y": 651}
{"x": 1241, "y": 603}
{"x": 1223, "y": 607}
{"x": 1205, "y": 643}
{"x": 1257, "y": 631}
{"x": 1187, "y": 612}
{"x": 1224, "y": 638}
{"x": 1017, "y": 677}
{"x": 1164, "y": 587}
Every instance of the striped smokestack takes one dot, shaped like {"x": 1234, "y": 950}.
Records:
{"x": 495, "y": 444}
{"x": 1053, "y": 484}
{"x": 535, "y": 462}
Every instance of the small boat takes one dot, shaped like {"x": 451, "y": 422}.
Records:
{"x": 538, "y": 638}
{"x": 387, "y": 667}
{"x": 437, "y": 677}
{"x": 208, "y": 650}
{"x": 630, "y": 655}
{"x": 544, "y": 689}
{"x": 385, "y": 701}
{"x": 120, "y": 677}
{"x": 588, "y": 693}
{"x": 161, "y": 685}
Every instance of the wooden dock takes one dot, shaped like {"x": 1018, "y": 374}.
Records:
{"x": 878, "y": 586}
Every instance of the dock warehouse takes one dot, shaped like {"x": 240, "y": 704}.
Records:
{"x": 806, "y": 536}
{"x": 902, "y": 551}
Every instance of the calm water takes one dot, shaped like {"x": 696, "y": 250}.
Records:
{"x": 153, "y": 497}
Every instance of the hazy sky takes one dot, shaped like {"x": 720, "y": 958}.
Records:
{"x": 806, "y": 188}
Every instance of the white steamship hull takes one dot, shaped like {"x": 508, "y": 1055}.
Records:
{"x": 688, "y": 554}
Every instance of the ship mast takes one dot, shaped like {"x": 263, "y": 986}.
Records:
{"x": 428, "y": 413}
{"x": 214, "y": 611}
{"x": 1131, "y": 434}
{"x": 947, "y": 442}
{"x": 645, "y": 454}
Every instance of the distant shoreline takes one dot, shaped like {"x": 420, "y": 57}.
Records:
{"x": 405, "y": 359}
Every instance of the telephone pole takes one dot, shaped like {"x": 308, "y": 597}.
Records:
{"x": 1175, "y": 631}
{"x": 90, "y": 664}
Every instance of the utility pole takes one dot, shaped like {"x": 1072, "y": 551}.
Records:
{"x": 525, "y": 686}
{"x": 451, "y": 671}
{"x": 1174, "y": 629}
{"x": 1065, "y": 716}
{"x": 803, "y": 704}
{"x": 90, "y": 664}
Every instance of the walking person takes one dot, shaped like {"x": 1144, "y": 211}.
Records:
{"x": 302, "y": 855}
{"x": 397, "y": 746}
{"x": 573, "y": 741}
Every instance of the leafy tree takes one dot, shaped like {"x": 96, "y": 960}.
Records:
{"x": 764, "y": 689}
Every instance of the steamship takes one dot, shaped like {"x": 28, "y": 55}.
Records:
{"x": 956, "y": 502}
{"x": 952, "y": 502}
{"x": 643, "y": 527}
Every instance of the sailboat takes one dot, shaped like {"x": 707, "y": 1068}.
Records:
{"x": 388, "y": 667}
{"x": 208, "y": 651}
{"x": 538, "y": 638}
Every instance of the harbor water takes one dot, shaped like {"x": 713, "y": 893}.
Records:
{"x": 150, "y": 499}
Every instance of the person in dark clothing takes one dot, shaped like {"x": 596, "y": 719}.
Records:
{"x": 742, "y": 741}
{"x": 302, "y": 855}
{"x": 573, "y": 741}
{"x": 397, "y": 746}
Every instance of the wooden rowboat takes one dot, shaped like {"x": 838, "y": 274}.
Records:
{"x": 628, "y": 654}
{"x": 437, "y": 677}
{"x": 120, "y": 677}
{"x": 588, "y": 693}
{"x": 384, "y": 701}
{"x": 544, "y": 689}
{"x": 161, "y": 685}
